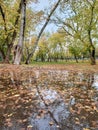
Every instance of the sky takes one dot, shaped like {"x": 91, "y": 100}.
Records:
{"x": 42, "y": 5}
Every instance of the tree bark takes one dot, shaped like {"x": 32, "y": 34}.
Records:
{"x": 41, "y": 31}
{"x": 76, "y": 58}
{"x": 7, "y": 57}
{"x": 19, "y": 46}
{"x": 92, "y": 55}
{"x": 91, "y": 47}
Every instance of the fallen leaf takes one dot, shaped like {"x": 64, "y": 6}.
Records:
{"x": 51, "y": 123}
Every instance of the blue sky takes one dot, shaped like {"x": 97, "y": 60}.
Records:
{"x": 42, "y": 5}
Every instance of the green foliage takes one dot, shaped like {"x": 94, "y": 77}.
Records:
{"x": 42, "y": 51}
{"x": 80, "y": 24}
{"x": 57, "y": 44}
{"x": 8, "y": 23}
{"x": 76, "y": 19}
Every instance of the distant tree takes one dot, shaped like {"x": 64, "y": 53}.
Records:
{"x": 57, "y": 46}
{"x": 75, "y": 48}
{"x": 42, "y": 52}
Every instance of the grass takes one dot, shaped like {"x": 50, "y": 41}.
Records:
{"x": 61, "y": 65}
{"x": 72, "y": 65}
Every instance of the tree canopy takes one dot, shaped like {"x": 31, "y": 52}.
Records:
{"x": 76, "y": 35}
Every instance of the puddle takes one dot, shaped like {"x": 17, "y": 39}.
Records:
{"x": 95, "y": 83}
{"x": 48, "y": 100}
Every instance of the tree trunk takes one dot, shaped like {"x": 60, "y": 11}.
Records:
{"x": 19, "y": 46}
{"x": 91, "y": 47}
{"x": 41, "y": 31}
{"x": 28, "y": 59}
{"x": 2, "y": 55}
{"x": 92, "y": 56}
{"x": 7, "y": 58}
{"x": 76, "y": 58}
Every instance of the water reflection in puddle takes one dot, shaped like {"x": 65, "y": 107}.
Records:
{"x": 48, "y": 100}
{"x": 95, "y": 83}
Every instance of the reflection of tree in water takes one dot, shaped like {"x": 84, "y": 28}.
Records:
{"x": 16, "y": 109}
{"x": 19, "y": 103}
{"x": 83, "y": 113}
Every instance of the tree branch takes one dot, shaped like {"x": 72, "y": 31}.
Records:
{"x": 41, "y": 31}
{"x": 3, "y": 17}
{"x": 16, "y": 23}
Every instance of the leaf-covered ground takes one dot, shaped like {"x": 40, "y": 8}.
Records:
{"x": 48, "y": 97}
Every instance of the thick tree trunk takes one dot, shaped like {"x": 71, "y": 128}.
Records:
{"x": 91, "y": 49}
{"x": 41, "y": 31}
{"x": 17, "y": 54}
{"x": 19, "y": 46}
{"x": 92, "y": 56}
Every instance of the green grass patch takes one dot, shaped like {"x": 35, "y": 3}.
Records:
{"x": 60, "y": 63}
